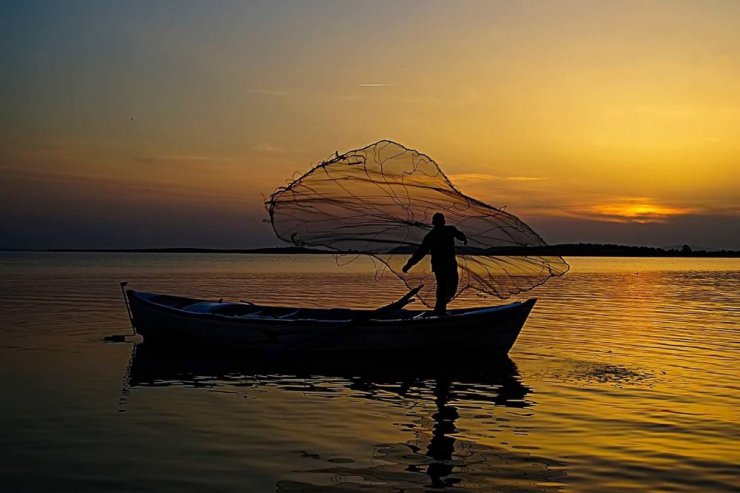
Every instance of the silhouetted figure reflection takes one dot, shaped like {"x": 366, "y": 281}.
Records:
{"x": 442, "y": 446}
{"x": 440, "y": 241}
{"x": 440, "y": 462}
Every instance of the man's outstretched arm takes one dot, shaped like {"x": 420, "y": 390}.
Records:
{"x": 417, "y": 256}
{"x": 461, "y": 236}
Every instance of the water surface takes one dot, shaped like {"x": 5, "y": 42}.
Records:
{"x": 624, "y": 378}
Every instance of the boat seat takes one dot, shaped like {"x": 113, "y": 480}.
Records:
{"x": 250, "y": 315}
{"x": 296, "y": 312}
{"x": 233, "y": 309}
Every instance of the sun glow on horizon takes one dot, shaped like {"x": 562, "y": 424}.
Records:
{"x": 639, "y": 212}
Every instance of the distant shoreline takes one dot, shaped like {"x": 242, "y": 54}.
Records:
{"x": 565, "y": 250}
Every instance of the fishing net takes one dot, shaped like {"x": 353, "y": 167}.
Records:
{"x": 379, "y": 201}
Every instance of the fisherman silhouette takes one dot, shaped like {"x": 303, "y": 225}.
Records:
{"x": 440, "y": 241}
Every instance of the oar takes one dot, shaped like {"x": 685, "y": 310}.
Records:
{"x": 122, "y": 337}
{"x": 360, "y": 318}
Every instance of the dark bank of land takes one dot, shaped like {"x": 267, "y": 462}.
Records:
{"x": 565, "y": 250}
{"x": 610, "y": 250}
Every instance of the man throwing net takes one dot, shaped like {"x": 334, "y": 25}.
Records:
{"x": 440, "y": 242}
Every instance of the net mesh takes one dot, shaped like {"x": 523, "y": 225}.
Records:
{"x": 379, "y": 201}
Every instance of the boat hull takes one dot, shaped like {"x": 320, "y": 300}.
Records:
{"x": 489, "y": 330}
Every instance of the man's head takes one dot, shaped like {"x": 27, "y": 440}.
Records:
{"x": 438, "y": 219}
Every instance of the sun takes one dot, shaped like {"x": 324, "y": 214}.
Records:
{"x": 638, "y": 212}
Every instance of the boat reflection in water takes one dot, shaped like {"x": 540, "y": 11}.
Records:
{"x": 435, "y": 458}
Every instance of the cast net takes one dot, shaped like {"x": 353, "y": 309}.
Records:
{"x": 379, "y": 201}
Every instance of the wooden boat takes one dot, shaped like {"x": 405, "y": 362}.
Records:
{"x": 490, "y": 330}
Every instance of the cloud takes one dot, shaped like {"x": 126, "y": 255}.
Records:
{"x": 190, "y": 158}
{"x": 268, "y": 92}
{"x": 265, "y": 147}
{"x": 540, "y": 197}
{"x": 525, "y": 178}
{"x": 483, "y": 177}
{"x": 636, "y": 211}
{"x": 701, "y": 231}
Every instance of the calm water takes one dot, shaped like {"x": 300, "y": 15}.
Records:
{"x": 624, "y": 378}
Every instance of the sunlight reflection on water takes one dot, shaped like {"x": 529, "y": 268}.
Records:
{"x": 624, "y": 377}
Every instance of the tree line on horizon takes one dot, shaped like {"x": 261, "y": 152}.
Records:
{"x": 564, "y": 250}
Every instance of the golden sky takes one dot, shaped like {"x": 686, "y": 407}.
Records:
{"x": 136, "y": 125}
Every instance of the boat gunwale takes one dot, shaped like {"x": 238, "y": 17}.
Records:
{"x": 468, "y": 313}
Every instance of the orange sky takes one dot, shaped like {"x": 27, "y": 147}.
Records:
{"x": 139, "y": 125}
